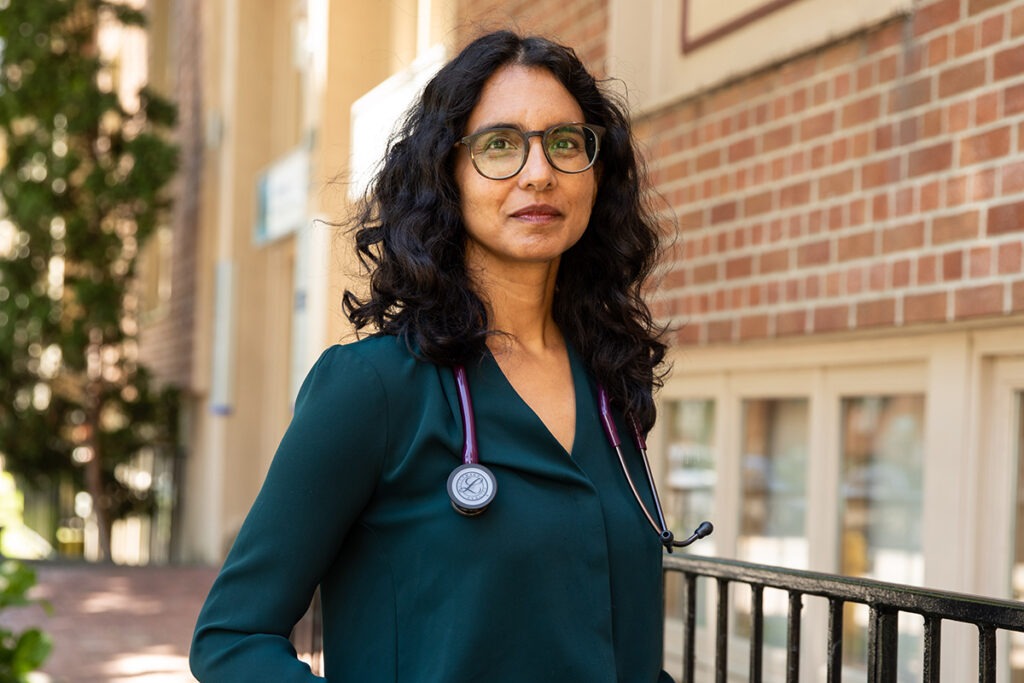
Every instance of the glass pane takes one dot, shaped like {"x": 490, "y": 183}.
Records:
{"x": 773, "y": 500}
{"x": 691, "y": 468}
{"x": 690, "y": 486}
{"x": 1017, "y": 575}
{"x": 882, "y": 459}
{"x": 774, "y": 492}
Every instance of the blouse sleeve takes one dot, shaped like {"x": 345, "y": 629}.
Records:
{"x": 321, "y": 477}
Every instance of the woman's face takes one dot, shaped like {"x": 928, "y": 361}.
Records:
{"x": 536, "y": 215}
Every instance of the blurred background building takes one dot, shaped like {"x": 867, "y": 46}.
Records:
{"x": 842, "y": 185}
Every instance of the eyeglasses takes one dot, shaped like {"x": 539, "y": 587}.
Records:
{"x": 500, "y": 153}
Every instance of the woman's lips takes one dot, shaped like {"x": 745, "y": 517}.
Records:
{"x": 537, "y": 213}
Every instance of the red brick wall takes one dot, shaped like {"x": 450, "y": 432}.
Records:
{"x": 166, "y": 344}
{"x": 877, "y": 182}
{"x": 582, "y": 24}
{"x": 874, "y": 183}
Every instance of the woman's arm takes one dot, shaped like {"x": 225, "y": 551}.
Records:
{"x": 322, "y": 476}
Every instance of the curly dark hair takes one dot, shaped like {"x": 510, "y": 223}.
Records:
{"x": 410, "y": 236}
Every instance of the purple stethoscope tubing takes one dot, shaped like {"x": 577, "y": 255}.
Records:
{"x": 612, "y": 432}
{"x": 471, "y": 486}
{"x": 470, "y": 454}
{"x": 471, "y": 458}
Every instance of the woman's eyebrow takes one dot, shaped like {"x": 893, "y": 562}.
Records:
{"x": 497, "y": 124}
{"x": 516, "y": 126}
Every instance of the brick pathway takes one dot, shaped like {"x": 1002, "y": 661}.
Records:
{"x": 117, "y": 624}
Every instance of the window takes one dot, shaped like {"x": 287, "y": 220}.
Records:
{"x": 691, "y": 481}
{"x": 998, "y": 552}
{"x": 882, "y": 447}
{"x": 882, "y": 454}
{"x": 838, "y": 456}
{"x": 773, "y": 478}
{"x": 154, "y": 270}
{"x": 691, "y": 465}
{"x": 773, "y": 503}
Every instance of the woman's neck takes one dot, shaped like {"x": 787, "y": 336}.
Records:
{"x": 520, "y": 306}
{"x": 530, "y": 351}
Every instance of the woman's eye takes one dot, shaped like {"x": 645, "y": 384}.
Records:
{"x": 498, "y": 143}
{"x": 566, "y": 143}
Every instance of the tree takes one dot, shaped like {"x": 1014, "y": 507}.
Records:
{"x": 82, "y": 186}
{"x": 21, "y": 652}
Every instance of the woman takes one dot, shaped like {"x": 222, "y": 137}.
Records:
{"x": 506, "y": 236}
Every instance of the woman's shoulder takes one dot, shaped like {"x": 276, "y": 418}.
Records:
{"x": 383, "y": 355}
{"x": 376, "y": 375}
{"x": 365, "y": 371}
{"x": 384, "y": 350}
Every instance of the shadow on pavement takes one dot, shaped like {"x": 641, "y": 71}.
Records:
{"x": 115, "y": 624}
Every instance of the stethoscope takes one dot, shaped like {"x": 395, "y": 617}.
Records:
{"x": 472, "y": 486}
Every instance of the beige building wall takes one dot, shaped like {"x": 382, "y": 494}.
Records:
{"x": 278, "y": 76}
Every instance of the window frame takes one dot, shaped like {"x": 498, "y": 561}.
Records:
{"x": 960, "y": 375}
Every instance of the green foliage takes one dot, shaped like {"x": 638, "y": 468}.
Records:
{"x": 83, "y": 181}
{"x": 24, "y": 652}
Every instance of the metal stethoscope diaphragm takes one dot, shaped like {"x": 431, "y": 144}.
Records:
{"x": 472, "y": 486}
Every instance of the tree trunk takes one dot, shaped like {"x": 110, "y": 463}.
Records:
{"x": 94, "y": 480}
{"x": 94, "y": 485}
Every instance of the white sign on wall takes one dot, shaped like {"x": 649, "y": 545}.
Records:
{"x": 283, "y": 195}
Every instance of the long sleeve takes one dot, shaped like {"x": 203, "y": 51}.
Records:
{"x": 323, "y": 473}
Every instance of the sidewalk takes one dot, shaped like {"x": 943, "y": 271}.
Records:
{"x": 115, "y": 624}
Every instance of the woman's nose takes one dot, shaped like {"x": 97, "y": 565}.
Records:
{"x": 538, "y": 173}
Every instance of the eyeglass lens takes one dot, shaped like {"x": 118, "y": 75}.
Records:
{"x": 500, "y": 153}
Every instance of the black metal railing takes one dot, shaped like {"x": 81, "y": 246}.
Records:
{"x": 885, "y": 602}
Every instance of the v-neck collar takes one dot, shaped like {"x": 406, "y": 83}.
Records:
{"x": 580, "y": 387}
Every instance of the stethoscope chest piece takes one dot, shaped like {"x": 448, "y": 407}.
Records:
{"x": 471, "y": 487}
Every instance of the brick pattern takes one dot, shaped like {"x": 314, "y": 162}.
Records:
{"x": 166, "y": 342}
{"x": 582, "y": 24}
{"x": 877, "y": 182}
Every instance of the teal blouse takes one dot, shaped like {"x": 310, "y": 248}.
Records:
{"x": 558, "y": 581}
